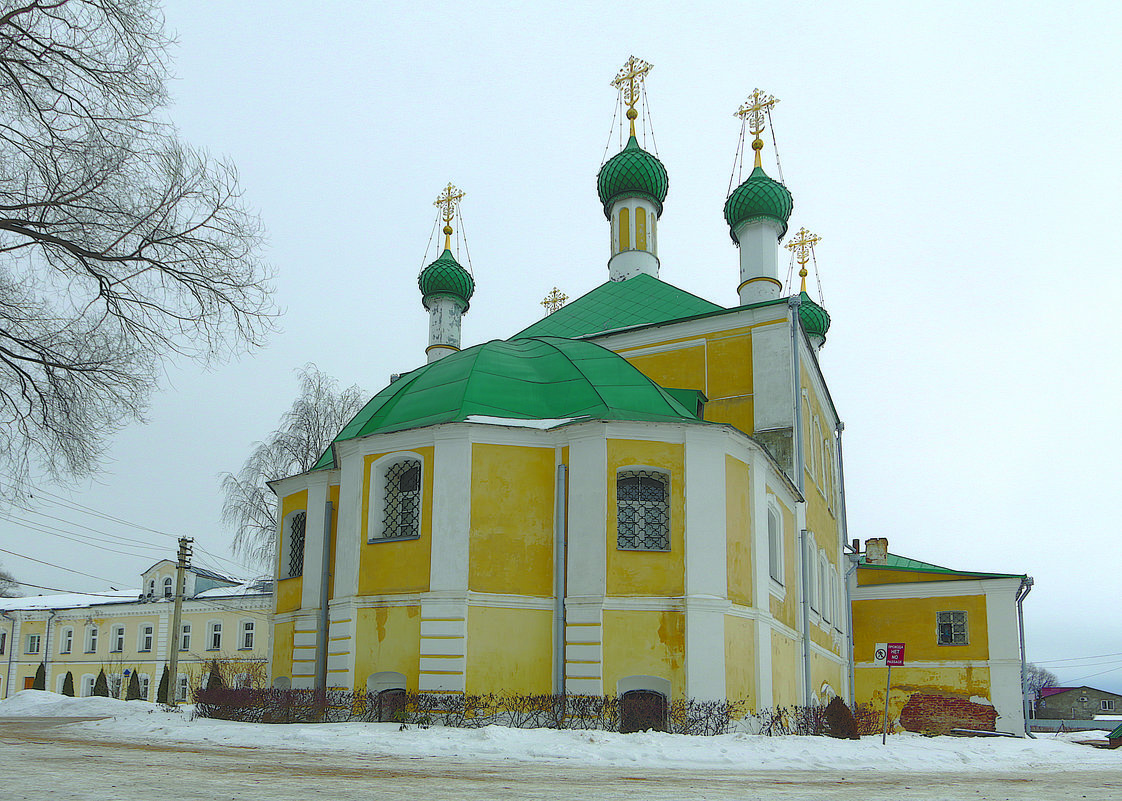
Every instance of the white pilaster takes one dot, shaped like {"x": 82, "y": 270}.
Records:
{"x": 1004, "y": 654}
{"x": 759, "y": 260}
{"x": 451, "y": 512}
{"x": 349, "y": 536}
{"x": 313, "y": 540}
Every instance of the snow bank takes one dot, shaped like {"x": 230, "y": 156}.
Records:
{"x": 139, "y": 720}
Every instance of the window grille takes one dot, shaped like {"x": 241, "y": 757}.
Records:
{"x": 951, "y": 628}
{"x": 401, "y": 513}
{"x": 296, "y": 544}
{"x": 643, "y": 511}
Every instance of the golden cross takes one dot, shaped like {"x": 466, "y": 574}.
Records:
{"x": 803, "y": 248}
{"x": 755, "y": 109}
{"x": 447, "y": 202}
{"x": 625, "y": 81}
{"x": 554, "y": 300}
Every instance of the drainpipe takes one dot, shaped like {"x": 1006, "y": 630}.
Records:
{"x": 11, "y": 653}
{"x": 1022, "y": 593}
{"x": 323, "y": 627}
{"x": 559, "y": 549}
{"x": 854, "y": 560}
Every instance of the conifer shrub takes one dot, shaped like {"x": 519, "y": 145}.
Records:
{"x": 215, "y": 679}
{"x": 101, "y": 685}
{"x": 133, "y": 692}
{"x": 162, "y": 690}
{"x": 68, "y": 685}
{"x": 840, "y": 722}
{"x": 40, "y": 682}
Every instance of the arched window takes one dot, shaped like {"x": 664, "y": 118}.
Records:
{"x": 624, "y": 229}
{"x": 91, "y": 639}
{"x": 167, "y": 587}
{"x": 66, "y": 641}
{"x": 397, "y": 490}
{"x": 775, "y": 544}
{"x": 643, "y": 510}
{"x": 294, "y": 543}
{"x": 152, "y": 587}
{"x": 642, "y": 710}
{"x": 640, "y": 228}
{"x": 214, "y": 635}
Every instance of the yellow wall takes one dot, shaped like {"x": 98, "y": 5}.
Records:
{"x": 867, "y": 577}
{"x": 647, "y": 572}
{"x": 740, "y": 660}
{"x": 823, "y": 670}
{"x": 396, "y": 566}
{"x": 738, "y": 528}
{"x": 509, "y": 651}
{"x": 682, "y": 369}
{"x": 644, "y": 644}
{"x": 388, "y": 638}
{"x": 912, "y": 622}
{"x": 282, "y": 650}
{"x": 288, "y": 594}
{"x": 786, "y": 664}
{"x": 512, "y": 504}
{"x": 962, "y": 682}
{"x": 289, "y": 504}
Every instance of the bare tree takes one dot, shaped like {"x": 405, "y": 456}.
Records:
{"x": 9, "y": 587}
{"x": 120, "y": 246}
{"x": 1037, "y": 677}
{"x": 306, "y": 430}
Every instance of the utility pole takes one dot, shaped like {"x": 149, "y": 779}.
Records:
{"x": 177, "y": 616}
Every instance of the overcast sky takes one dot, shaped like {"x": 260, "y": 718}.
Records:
{"x": 960, "y": 161}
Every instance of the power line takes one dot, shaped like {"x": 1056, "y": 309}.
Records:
{"x": 1075, "y": 659}
{"x": 57, "y": 567}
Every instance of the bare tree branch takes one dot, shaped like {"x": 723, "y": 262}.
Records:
{"x": 306, "y": 430}
{"x": 120, "y": 246}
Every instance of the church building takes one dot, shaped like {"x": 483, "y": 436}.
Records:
{"x": 641, "y": 492}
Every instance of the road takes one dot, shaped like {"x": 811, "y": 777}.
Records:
{"x": 48, "y": 760}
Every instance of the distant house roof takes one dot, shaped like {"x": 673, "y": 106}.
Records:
{"x": 896, "y": 562}
{"x": 1046, "y": 692}
{"x": 210, "y": 574}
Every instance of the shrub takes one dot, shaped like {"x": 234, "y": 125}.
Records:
{"x": 215, "y": 679}
{"x": 840, "y": 722}
{"x": 869, "y": 720}
{"x": 68, "y": 685}
{"x": 40, "y": 681}
{"x": 101, "y": 686}
{"x": 162, "y": 691}
{"x": 133, "y": 692}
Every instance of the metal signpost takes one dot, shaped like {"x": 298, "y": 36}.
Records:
{"x": 890, "y": 654}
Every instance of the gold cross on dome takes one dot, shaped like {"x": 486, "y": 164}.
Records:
{"x": 754, "y": 110}
{"x": 448, "y": 201}
{"x": 803, "y": 248}
{"x": 629, "y": 79}
{"x": 554, "y": 300}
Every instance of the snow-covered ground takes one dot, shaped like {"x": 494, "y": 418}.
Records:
{"x": 147, "y": 722}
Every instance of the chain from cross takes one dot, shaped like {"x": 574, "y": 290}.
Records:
{"x": 803, "y": 245}
{"x": 448, "y": 201}
{"x": 625, "y": 81}
{"x": 554, "y": 300}
{"x": 754, "y": 110}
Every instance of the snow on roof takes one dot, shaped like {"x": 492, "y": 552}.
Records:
{"x": 69, "y": 600}
{"x": 517, "y": 422}
{"x": 254, "y": 587}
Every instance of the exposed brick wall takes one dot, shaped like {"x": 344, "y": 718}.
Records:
{"x": 927, "y": 712}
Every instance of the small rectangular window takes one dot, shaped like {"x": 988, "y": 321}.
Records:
{"x": 3, "y": 640}
{"x": 642, "y": 511}
{"x": 775, "y": 546}
{"x": 118, "y": 640}
{"x": 67, "y": 641}
{"x": 951, "y": 628}
{"x": 215, "y": 637}
{"x": 33, "y": 641}
{"x": 247, "y": 635}
{"x": 1107, "y": 704}
{"x": 91, "y": 640}
{"x": 185, "y": 637}
{"x": 181, "y": 687}
{"x": 144, "y": 686}
{"x": 146, "y": 638}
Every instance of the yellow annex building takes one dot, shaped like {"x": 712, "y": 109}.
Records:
{"x": 122, "y": 632}
{"x": 640, "y": 493}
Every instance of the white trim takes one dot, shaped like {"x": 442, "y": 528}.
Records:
{"x": 928, "y": 589}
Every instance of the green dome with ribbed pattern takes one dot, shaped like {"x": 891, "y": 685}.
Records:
{"x": 445, "y": 276}
{"x": 632, "y": 172}
{"x": 758, "y": 197}
{"x": 814, "y": 318}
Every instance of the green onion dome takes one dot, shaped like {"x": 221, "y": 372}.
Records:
{"x": 814, "y": 318}
{"x": 632, "y": 172}
{"x": 758, "y": 197}
{"x": 445, "y": 276}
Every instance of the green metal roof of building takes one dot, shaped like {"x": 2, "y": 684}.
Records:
{"x": 758, "y": 197}
{"x": 445, "y": 276}
{"x": 640, "y": 300}
{"x": 546, "y": 378}
{"x": 904, "y": 563}
{"x": 632, "y": 172}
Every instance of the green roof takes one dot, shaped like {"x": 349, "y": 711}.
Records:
{"x": 632, "y": 172}
{"x": 759, "y": 197}
{"x": 904, "y": 563}
{"x": 539, "y": 378}
{"x": 445, "y": 276}
{"x": 640, "y": 300}
{"x": 815, "y": 319}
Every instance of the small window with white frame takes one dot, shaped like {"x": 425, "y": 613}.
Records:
{"x": 245, "y": 641}
{"x": 34, "y": 642}
{"x": 3, "y": 641}
{"x": 117, "y": 643}
{"x": 643, "y": 510}
{"x": 824, "y": 587}
{"x": 1106, "y": 705}
{"x": 951, "y": 628}
{"x": 91, "y": 639}
{"x": 293, "y": 544}
{"x": 169, "y": 590}
{"x": 775, "y": 544}
{"x": 185, "y": 637}
{"x": 181, "y": 682}
{"x": 87, "y": 685}
{"x": 144, "y": 686}
{"x": 147, "y": 634}
{"x": 66, "y": 641}
{"x": 396, "y": 486}
{"x": 214, "y": 636}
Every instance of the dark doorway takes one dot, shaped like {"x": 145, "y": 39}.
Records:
{"x": 391, "y": 706}
{"x": 640, "y": 710}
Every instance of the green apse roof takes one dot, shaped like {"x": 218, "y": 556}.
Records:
{"x": 539, "y": 378}
{"x": 758, "y": 197}
{"x": 815, "y": 319}
{"x": 445, "y": 276}
{"x": 895, "y": 562}
{"x": 632, "y": 171}
{"x": 640, "y": 300}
